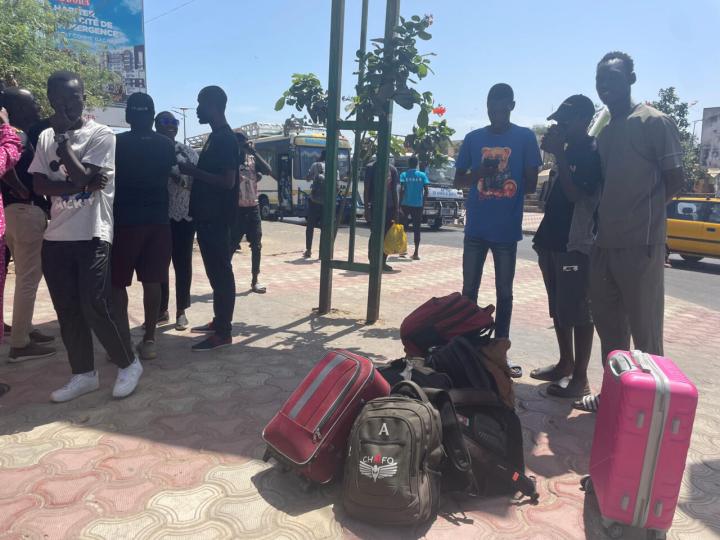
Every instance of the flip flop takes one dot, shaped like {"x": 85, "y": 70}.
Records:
{"x": 515, "y": 371}
{"x": 589, "y": 403}
{"x": 548, "y": 374}
{"x": 557, "y": 390}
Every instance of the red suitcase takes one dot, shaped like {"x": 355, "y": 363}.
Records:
{"x": 309, "y": 434}
{"x": 642, "y": 436}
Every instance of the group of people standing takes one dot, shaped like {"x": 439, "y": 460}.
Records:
{"x": 601, "y": 243}
{"x": 118, "y": 206}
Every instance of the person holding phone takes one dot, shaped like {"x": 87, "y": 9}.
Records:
{"x": 499, "y": 163}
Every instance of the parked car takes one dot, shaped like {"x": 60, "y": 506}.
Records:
{"x": 693, "y": 229}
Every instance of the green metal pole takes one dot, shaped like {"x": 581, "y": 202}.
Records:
{"x": 331, "y": 162}
{"x": 358, "y": 136}
{"x": 382, "y": 164}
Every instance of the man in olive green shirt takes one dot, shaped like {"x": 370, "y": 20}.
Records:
{"x": 641, "y": 159}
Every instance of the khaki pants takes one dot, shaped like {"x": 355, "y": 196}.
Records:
{"x": 25, "y": 227}
{"x": 627, "y": 294}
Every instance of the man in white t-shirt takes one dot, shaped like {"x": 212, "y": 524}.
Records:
{"x": 74, "y": 164}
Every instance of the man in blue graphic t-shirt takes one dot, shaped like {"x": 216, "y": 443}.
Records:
{"x": 499, "y": 163}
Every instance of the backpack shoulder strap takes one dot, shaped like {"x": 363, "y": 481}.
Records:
{"x": 410, "y": 389}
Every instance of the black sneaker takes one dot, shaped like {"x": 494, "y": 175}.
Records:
{"x": 212, "y": 343}
{"x": 208, "y": 328}
{"x": 33, "y": 351}
{"x": 164, "y": 317}
{"x": 38, "y": 337}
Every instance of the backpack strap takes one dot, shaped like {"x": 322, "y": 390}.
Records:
{"x": 517, "y": 478}
{"x": 453, "y": 440}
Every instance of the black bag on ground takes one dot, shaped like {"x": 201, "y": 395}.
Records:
{"x": 467, "y": 367}
{"x": 493, "y": 437}
{"x": 425, "y": 377}
{"x": 392, "y": 471}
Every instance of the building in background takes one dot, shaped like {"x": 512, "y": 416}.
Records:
{"x": 114, "y": 31}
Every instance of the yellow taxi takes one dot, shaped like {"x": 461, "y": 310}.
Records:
{"x": 693, "y": 229}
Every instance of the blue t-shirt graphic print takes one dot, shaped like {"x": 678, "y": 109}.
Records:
{"x": 495, "y": 203}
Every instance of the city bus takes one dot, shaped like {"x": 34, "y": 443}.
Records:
{"x": 287, "y": 192}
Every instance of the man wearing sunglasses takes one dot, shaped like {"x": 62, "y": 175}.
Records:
{"x": 182, "y": 226}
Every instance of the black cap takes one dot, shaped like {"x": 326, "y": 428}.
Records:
{"x": 140, "y": 103}
{"x": 577, "y": 106}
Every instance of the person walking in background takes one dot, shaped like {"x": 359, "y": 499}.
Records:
{"x": 247, "y": 221}
{"x": 213, "y": 207}
{"x": 499, "y": 163}
{"x": 314, "y": 217}
{"x": 74, "y": 164}
{"x": 413, "y": 191}
{"x": 143, "y": 242}
{"x": 26, "y": 221}
{"x": 563, "y": 242}
{"x": 392, "y": 204}
{"x": 182, "y": 227}
{"x": 641, "y": 157}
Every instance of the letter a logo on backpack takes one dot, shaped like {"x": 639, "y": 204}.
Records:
{"x": 384, "y": 430}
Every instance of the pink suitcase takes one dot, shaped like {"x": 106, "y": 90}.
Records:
{"x": 641, "y": 441}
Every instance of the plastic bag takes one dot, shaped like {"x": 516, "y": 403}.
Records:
{"x": 395, "y": 240}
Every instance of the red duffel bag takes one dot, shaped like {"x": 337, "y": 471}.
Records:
{"x": 439, "y": 320}
{"x": 309, "y": 433}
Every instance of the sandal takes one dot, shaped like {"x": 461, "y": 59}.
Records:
{"x": 515, "y": 371}
{"x": 548, "y": 374}
{"x": 568, "y": 391}
{"x": 589, "y": 403}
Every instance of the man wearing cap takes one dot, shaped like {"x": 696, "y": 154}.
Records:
{"x": 143, "y": 241}
{"x": 563, "y": 242}
{"x": 499, "y": 163}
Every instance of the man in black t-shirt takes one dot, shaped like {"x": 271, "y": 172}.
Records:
{"x": 563, "y": 243}
{"x": 392, "y": 204}
{"x": 142, "y": 241}
{"x": 26, "y": 215}
{"x": 213, "y": 207}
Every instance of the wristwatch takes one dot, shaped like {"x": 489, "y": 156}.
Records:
{"x": 61, "y": 138}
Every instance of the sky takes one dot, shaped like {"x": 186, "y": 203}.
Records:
{"x": 545, "y": 50}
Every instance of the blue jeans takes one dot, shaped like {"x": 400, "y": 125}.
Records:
{"x": 504, "y": 255}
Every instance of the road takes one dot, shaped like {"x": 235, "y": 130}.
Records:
{"x": 698, "y": 283}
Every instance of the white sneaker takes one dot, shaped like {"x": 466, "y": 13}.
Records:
{"x": 78, "y": 385}
{"x": 127, "y": 379}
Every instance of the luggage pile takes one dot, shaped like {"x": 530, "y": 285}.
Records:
{"x": 441, "y": 420}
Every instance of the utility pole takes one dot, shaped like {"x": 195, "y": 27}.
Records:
{"x": 183, "y": 110}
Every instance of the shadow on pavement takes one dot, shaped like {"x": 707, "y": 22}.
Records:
{"x": 704, "y": 479}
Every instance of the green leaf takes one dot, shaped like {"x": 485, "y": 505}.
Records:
{"x": 424, "y": 36}
{"x": 280, "y": 103}
{"x": 423, "y": 118}
{"x": 422, "y": 71}
{"x": 416, "y": 18}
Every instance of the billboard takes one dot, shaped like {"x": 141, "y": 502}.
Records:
{"x": 114, "y": 31}
{"x": 710, "y": 138}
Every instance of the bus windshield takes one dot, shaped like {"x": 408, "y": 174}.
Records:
{"x": 307, "y": 155}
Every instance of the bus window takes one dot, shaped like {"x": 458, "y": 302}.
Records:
{"x": 269, "y": 156}
{"x": 306, "y": 156}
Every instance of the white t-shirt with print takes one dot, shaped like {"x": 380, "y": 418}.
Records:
{"x": 82, "y": 216}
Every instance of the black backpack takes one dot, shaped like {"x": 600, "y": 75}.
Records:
{"x": 492, "y": 435}
{"x": 395, "y": 455}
